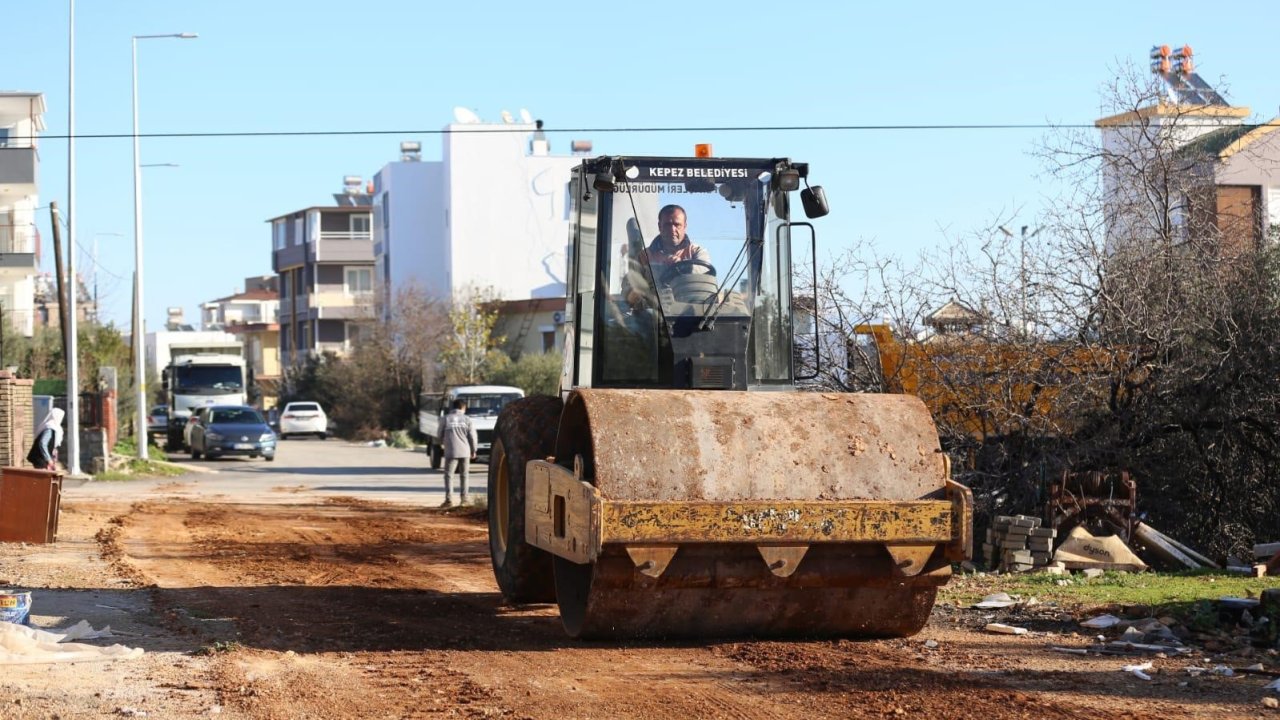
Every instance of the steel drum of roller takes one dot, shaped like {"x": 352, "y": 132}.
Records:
{"x": 684, "y": 446}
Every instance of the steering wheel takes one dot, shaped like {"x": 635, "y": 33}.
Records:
{"x": 685, "y": 267}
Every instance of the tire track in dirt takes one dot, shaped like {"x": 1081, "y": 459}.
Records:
{"x": 365, "y": 611}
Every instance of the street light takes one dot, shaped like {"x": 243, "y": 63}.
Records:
{"x": 1022, "y": 270}
{"x": 139, "y": 356}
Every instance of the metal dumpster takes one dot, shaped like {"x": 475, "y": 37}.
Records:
{"x": 29, "y": 504}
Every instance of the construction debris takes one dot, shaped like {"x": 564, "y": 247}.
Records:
{"x": 1017, "y": 543}
{"x": 996, "y": 601}
{"x": 1169, "y": 550}
{"x": 1139, "y": 670}
{"x": 1082, "y": 550}
{"x": 1003, "y": 629}
{"x": 1102, "y": 622}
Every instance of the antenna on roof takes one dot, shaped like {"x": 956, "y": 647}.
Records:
{"x": 526, "y": 117}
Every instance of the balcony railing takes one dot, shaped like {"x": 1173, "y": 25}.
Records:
{"x": 18, "y": 238}
{"x": 364, "y": 236}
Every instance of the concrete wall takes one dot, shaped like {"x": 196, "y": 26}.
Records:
{"x": 408, "y": 230}
{"x": 506, "y": 212}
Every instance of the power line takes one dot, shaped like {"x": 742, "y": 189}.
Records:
{"x": 499, "y": 129}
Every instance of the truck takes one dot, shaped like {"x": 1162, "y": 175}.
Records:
{"x": 682, "y": 484}
{"x": 484, "y": 402}
{"x": 208, "y": 373}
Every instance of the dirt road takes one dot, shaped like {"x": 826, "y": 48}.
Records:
{"x": 344, "y": 608}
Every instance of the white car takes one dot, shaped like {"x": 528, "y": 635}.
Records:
{"x": 303, "y": 418}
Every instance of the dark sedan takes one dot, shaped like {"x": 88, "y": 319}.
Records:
{"x": 232, "y": 430}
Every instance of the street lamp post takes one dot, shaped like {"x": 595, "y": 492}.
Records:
{"x": 1022, "y": 273}
{"x": 139, "y": 350}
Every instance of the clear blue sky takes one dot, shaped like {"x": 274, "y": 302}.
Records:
{"x": 281, "y": 65}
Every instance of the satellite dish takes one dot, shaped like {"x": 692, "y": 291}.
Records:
{"x": 525, "y": 117}
{"x": 506, "y": 117}
{"x": 465, "y": 116}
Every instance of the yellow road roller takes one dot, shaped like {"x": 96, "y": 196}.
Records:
{"x": 682, "y": 485}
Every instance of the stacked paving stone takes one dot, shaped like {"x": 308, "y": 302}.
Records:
{"x": 1017, "y": 543}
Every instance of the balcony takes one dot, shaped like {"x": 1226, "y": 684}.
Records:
{"x": 18, "y": 170}
{"x": 292, "y": 256}
{"x": 18, "y": 247}
{"x": 338, "y": 247}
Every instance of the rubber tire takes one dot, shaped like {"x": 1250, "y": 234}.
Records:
{"x": 322, "y": 436}
{"x": 526, "y": 430}
{"x": 437, "y": 456}
{"x": 269, "y": 458}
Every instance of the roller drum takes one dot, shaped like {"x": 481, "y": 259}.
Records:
{"x": 689, "y": 446}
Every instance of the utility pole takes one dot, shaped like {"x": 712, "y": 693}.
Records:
{"x": 59, "y": 285}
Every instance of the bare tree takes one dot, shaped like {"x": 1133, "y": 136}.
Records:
{"x": 470, "y": 351}
{"x": 1138, "y": 329}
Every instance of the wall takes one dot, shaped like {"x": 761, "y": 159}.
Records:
{"x": 408, "y": 229}
{"x": 16, "y": 428}
{"x": 506, "y": 212}
{"x": 1257, "y": 164}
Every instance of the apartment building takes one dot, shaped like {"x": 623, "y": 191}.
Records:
{"x": 491, "y": 213}
{"x": 323, "y": 260}
{"x": 21, "y": 121}
{"x": 252, "y": 317}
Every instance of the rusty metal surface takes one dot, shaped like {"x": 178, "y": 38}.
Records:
{"x": 718, "y": 593}
{"x": 780, "y": 521}
{"x": 562, "y": 513}
{"x": 726, "y": 446}
{"x": 961, "y": 497}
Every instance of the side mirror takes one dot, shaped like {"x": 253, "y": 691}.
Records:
{"x": 814, "y": 200}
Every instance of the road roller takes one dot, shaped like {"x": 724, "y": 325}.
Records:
{"x": 685, "y": 483}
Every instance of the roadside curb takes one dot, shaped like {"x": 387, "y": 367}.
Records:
{"x": 184, "y": 466}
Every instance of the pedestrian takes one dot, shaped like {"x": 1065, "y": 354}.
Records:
{"x": 458, "y": 436}
{"x": 44, "y": 449}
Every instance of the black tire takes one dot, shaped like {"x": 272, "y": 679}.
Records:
{"x": 322, "y": 436}
{"x": 270, "y": 458}
{"x": 437, "y": 456}
{"x": 526, "y": 430}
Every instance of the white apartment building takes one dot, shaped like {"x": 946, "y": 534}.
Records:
{"x": 21, "y": 121}
{"x": 492, "y": 213}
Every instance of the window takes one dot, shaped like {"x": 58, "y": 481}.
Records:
{"x": 278, "y": 234}
{"x": 360, "y": 224}
{"x": 358, "y": 333}
{"x": 4, "y": 137}
{"x": 359, "y": 281}
{"x": 548, "y": 340}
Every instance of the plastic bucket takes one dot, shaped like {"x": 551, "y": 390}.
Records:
{"x": 15, "y": 606}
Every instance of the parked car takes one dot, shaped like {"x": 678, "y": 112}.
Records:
{"x": 231, "y": 430}
{"x": 304, "y": 418}
{"x": 157, "y": 423}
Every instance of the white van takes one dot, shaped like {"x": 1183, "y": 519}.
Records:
{"x": 484, "y": 402}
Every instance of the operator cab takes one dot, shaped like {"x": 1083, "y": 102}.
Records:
{"x": 645, "y": 316}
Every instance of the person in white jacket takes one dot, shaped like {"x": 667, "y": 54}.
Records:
{"x": 458, "y": 436}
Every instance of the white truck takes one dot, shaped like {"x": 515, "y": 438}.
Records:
{"x": 484, "y": 402}
{"x": 208, "y": 373}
